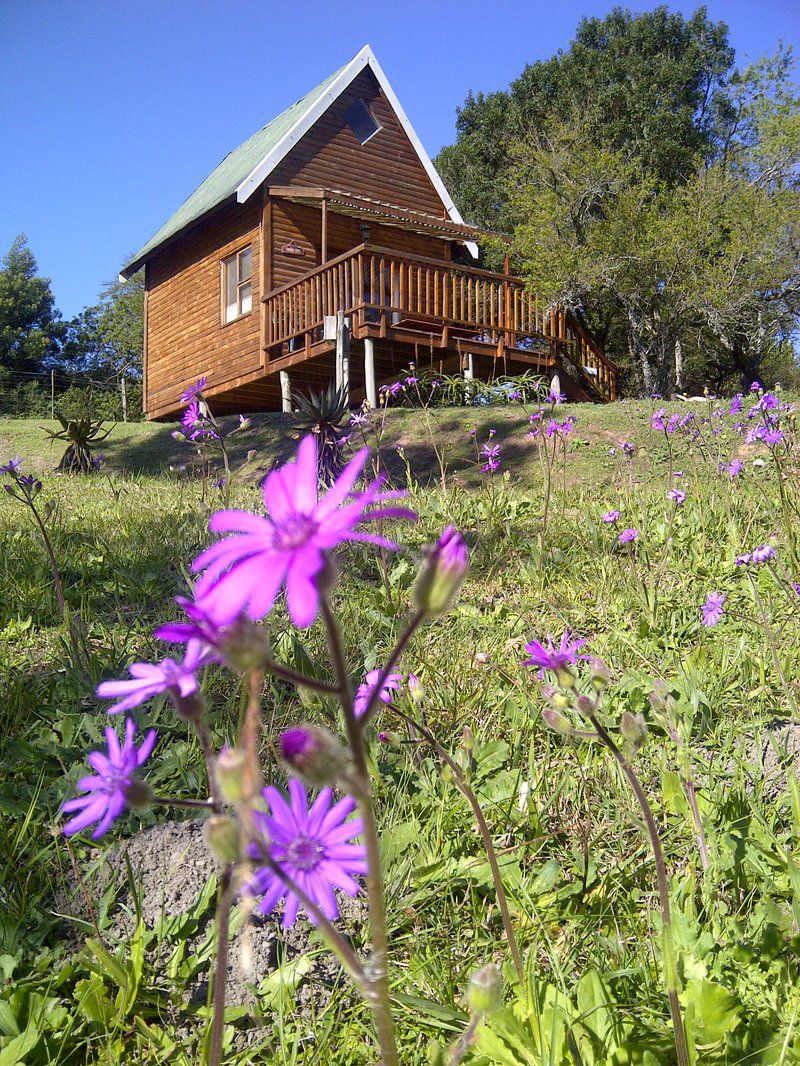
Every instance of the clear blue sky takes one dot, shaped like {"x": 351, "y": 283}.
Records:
{"x": 111, "y": 113}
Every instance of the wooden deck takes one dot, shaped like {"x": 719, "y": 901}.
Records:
{"x": 408, "y": 300}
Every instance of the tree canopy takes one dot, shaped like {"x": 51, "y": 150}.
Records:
{"x": 652, "y": 187}
{"x": 30, "y": 327}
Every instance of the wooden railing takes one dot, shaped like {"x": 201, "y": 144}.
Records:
{"x": 396, "y": 291}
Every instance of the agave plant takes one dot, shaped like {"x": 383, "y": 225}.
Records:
{"x": 81, "y": 434}
{"x": 324, "y": 413}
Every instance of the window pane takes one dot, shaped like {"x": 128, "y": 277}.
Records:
{"x": 245, "y": 265}
{"x": 246, "y": 294}
{"x": 231, "y": 295}
{"x": 361, "y": 121}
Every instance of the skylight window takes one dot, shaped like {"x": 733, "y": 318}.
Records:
{"x": 361, "y": 121}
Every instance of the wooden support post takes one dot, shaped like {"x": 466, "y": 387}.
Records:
{"x": 324, "y": 240}
{"x": 369, "y": 372}
{"x": 469, "y": 375}
{"x": 343, "y": 354}
{"x": 286, "y": 392}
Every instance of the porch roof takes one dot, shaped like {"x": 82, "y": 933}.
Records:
{"x": 367, "y": 208}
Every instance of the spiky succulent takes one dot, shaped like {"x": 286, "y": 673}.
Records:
{"x": 323, "y": 414}
{"x": 81, "y": 435}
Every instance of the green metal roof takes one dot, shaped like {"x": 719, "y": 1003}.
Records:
{"x": 223, "y": 182}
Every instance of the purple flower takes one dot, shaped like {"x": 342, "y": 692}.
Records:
{"x": 678, "y": 495}
{"x": 492, "y": 433}
{"x": 628, "y": 447}
{"x": 736, "y": 404}
{"x": 151, "y": 679}
{"x": 245, "y": 422}
{"x": 491, "y": 453}
{"x": 442, "y": 573}
{"x": 246, "y": 570}
{"x": 734, "y": 467}
{"x": 11, "y": 466}
{"x": 105, "y": 798}
{"x": 611, "y": 517}
{"x": 367, "y": 686}
{"x": 190, "y": 394}
{"x": 755, "y": 387}
{"x": 313, "y": 847}
{"x": 657, "y": 420}
{"x": 712, "y": 610}
{"x": 762, "y": 554}
{"x": 628, "y": 535}
{"x": 358, "y": 419}
{"x": 768, "y": 402}
{"x": 551, "y": 657}
{"x": 674, "y": 422}
{"x": 772, "y": 436}
{"x": 743, "y": 560}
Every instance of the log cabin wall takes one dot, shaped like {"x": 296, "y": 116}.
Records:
{"x": 298, "y": 228}
{"x": 185, "y": 334}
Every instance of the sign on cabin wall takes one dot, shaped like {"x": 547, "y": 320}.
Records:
{"x": 293, "y": 248}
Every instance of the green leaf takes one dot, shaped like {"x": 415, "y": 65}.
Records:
{"x": 716, "y": 1011}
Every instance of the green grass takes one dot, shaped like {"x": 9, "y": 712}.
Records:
{"x": 575, "y": 861}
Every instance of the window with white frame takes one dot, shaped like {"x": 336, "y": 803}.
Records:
{"x": 237, "y": 285}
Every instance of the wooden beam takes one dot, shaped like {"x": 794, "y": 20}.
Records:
{"x": 324, "y": 249}
{"x": 144, "y": 339}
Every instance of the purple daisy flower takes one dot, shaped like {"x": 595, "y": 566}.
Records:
{"x": 657, "y": 420}
{"x": 151, "y": 679}
{"x": 367, "y": 686}
{"x": 678, "y": 495}
{"x": 551, "y": 657}
{"x": 11, "y": 466}
{"x": 612, "y": 517}
{"x": 713, "y": 609}
{"x": 762, "y": 554}
{"x": 736, "y": 404}
{"x": 312, "y": 846}
{"x": 734, "y": 468}
{"x": 190, "y": 394}
{"x": 105, "y": 798}
{"x": 245, "y": 571}
{"x": 628, "y": 535}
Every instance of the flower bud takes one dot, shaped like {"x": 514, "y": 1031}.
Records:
{"x": 485, "y": 990}
{"x": 467, "y": 739}
{"x": 222, "y": 837}
{"x": 442, "y": 573}
{"x": 600, "y": 674}
{"x": 246, "y": 646}
{"x": 416, "y": 692}
{"x": 314, "y": 754}
{"x": 190, "y": 708}
{"x": 585, "y": 705}
{"x": 634, "y": 728}
{"x": 230, "y": 769}
{"x": 557, "y": 721}
{"x": 138, "y": 794}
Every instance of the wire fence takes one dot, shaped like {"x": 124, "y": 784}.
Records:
{"x": 30, "y": 394}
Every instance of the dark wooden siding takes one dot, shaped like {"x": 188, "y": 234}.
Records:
{"x": 185, "y": 335}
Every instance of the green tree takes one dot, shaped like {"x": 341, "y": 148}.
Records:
{"x": 30, "y": 326}
{"x": 107, "y": 339}
{"x": 653, "y": 85}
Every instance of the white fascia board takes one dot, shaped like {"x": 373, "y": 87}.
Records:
{"x": 365, "y": 58}
{"x": 303, "y": 124}
{"x": 424, "y": 158}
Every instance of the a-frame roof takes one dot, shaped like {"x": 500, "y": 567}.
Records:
{"x": 244, "y": 169}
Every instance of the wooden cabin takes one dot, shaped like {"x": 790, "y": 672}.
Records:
{"x": 335, "y": 207}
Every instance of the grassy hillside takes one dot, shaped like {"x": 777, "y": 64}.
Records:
{"x": 576, "y": 865}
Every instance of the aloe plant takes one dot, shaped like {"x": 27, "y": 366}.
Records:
{"x": 81, "y": 435}
{"x": 323, "y": 414}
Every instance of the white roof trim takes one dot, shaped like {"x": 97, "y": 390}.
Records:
{"x": 365, "y": 58}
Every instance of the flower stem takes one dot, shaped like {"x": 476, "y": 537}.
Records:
{"x": 670, "y": 968}
{"x": 394, "y": 657}
{"x": 486, "y": 837}
{"x": 221, "y": 966}
{"x": 381, "y": 1005}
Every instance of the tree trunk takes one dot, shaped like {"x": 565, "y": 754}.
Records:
{"x": 123, "y": 388}
{"x": 678, "y": 364}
